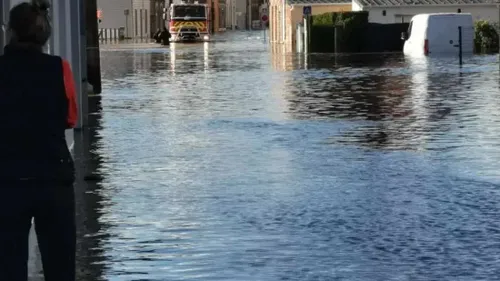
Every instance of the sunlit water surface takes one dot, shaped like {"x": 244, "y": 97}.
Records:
{"x": 226, "y": 161}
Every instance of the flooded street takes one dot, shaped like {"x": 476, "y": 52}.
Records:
{"x": 225, "y": 161}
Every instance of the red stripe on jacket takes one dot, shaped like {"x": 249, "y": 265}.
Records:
{"x": 69, "y": 85}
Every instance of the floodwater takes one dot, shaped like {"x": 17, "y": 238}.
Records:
{"x": 226, "y": 161}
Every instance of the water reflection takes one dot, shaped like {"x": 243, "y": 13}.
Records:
{"x": 407, "y": 97}
{"x": 173, "y": 55}
{"x": 187, "y": 55}
{"x": 206, "y": 48}
{"x": 283, "y": 61}
{"x": 233, "y": 161}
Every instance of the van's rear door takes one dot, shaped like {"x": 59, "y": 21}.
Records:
{"x": 443, "y": 33}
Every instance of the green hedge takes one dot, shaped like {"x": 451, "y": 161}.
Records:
{"x": 322, "y": 20}
{"x": 344, "y": 19}
{"x": 486, "y": 37}
{"x": 350, "y": 19}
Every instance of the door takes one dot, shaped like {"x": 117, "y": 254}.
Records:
{"x": 443, "y": 35}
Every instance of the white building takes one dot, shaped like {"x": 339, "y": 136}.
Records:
{"x": 238, "y": 13}
{"x": 241, "y": 9}
{"x": 231, "y": 17}
{"x": 132, "y": 15}
{"x": 396, "y": 11}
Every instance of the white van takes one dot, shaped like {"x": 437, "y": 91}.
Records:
{"x": 430, "y": 34}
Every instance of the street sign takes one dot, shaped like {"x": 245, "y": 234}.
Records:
{"x": 306, "y": 11}
{"x": 264, "y": 18}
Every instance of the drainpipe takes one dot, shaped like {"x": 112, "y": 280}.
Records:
{"x": 283, "y": 24}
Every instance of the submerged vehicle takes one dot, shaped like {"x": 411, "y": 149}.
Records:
{"x": 188, "y": 22}
{"x": 438, "y": 34}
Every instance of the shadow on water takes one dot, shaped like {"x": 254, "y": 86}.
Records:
{"x": 91, "y": 231}
{"x": 227, "y": 161}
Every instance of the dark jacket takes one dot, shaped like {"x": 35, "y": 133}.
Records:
{"x": 165, "y": 37}
{"x": 33, "y": 117}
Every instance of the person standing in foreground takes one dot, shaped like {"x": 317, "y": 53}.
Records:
{"x": 37, "y": 105}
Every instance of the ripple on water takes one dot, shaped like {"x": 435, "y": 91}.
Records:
{"x": 228, "y": 162}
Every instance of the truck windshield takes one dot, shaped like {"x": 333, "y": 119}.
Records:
{"x": 189, "y": 11}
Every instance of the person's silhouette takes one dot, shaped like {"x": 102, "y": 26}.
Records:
{"x": 37, "y": 105}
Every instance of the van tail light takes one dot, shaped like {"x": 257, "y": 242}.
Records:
{"x": 426, "y": 47}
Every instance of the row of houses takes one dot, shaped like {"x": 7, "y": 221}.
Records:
{"x": 141, "y": 18}
{"x": 286, "y": 14}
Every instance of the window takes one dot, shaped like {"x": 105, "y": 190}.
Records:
{"x": 189, "y": 11}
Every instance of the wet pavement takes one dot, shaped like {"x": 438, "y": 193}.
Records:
{"x": 224, "y": 161}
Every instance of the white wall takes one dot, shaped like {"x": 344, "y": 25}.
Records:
{"x": 231, "y": 14}
{"x": 113, "y": 16}
{"x": 113, "y": 13}
{"x": 141, "y": 22}
{"x": 484, "y": 12}
{"x": 241, "y": 9}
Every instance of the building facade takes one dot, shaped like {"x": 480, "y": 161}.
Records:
{"x": 243, "y": 14}
{"x": 286, "y": 15}
{"x": 135, "y": 16}
{"x": 231, "y": 18}
{"x": 397, "y": 11}
{"x": 141, "y": 18}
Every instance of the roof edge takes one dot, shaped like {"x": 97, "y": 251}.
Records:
{"x": 427, "y": 5}
{"x": 320, "y": 4}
